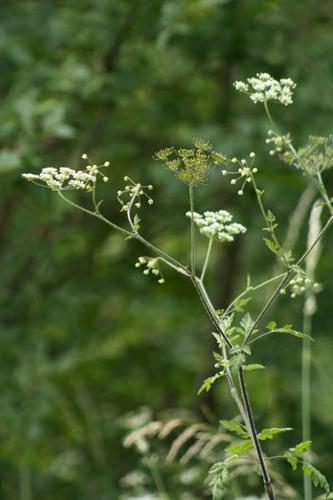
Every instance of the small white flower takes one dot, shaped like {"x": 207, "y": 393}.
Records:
{"x": 217, "y": 225}
{"x": 264, "y": 87}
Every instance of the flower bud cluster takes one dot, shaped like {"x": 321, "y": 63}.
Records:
{"x": 299, "y": 285}
{"x": 151, "y": 266}
{"x": 278, "y": 143}
{"x": 264, "y": 87}
{"x": 217, "y": 225}
{"x": 64, "y": 179}
{"x": 244, "y": 172}
{"x": 132, "y": 193}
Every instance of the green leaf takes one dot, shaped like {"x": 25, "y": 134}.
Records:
{"x": 292, "y": 461}
{"x": 300, "y": 448}
{"x": 218, "y": 339}
{"x": 272, "y": 432}
{"x": 317, "y": 478}
{"x": 272, "y": 246}
{"x": 240, "y": 303}
{"x": 240, "y": 448}
{"x": 270, "y": 216}
{"x": 236, "y": 362}
{"x": 218, "y": 358}
{"x": 207, "y": 384}
{"x": 271, "y": 325}
{"x": 290, "y": 330}
{"x": 254, "y": 366}
{"x": 247, "y": 322}
{"x": 235, "y": 427}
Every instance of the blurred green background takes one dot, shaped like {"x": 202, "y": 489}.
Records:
{"x": 85, "y": 338}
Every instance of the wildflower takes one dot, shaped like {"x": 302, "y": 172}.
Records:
{"x": 61, "y": 179}
{"x": 217, "y": 225}
{"x": 264, "y": 87}
{"x": 64, "y": 179}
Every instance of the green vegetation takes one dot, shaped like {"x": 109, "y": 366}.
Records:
{"x": 90, "y": 349}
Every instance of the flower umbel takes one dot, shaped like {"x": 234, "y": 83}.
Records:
{"x": 217, "y": 225}
{"x": 244, "y": 173}
{"x": 191, "y": 165}
{"x": 132, "y": 194}
{"x": 66, "y": 179}
{"x": 264, "y": 87}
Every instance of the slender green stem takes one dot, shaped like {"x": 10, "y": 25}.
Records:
{"x": 248, "y": 289}
{"x": 268, "y": 113}
{"x": 209, "y": 248}
{"x": 288, "y": 275}
{"x": 94, "y": 198}
{"x": 324, "y": 193}
{"x": 234, "y": 392}
{"x": 269, "y": 223}
{"x": 167, "y": 259}
{"x": 129, "y": 216}
{"x": 192, "y": 229}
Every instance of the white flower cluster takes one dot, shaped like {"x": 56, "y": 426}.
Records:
{"x": 264, "y": 87}
{"x": 244, "y": 172}
{"x": 217, "y": 225}
{"x": 151, "y": 265}
{"x": 133, "y": 193}
{"x": 64, "y": 179}
{"x": 59, "y": 179}
{"x": 278, "y": 143}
